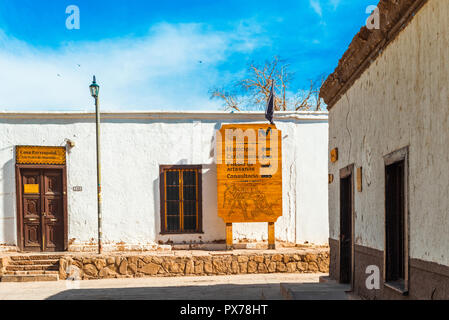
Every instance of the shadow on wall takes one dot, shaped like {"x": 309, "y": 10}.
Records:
{"x": 156, "y": 200}
{"x": 210, "y": 201}
{"x": 9, "y": 213}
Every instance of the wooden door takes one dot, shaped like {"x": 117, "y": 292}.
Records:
{"x": 42, "y": 209}
{"x": 346, "y": 229}
{"x": 394, "y": 221}
{"x": 31, "y": 210}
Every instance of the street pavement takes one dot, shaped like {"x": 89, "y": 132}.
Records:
{"x": 229, "y": 287}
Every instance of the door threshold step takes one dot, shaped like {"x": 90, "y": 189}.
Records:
{"x": 35, "y": 257}
{"x": 31, "y": 272}
{"x": 33, "y": 262}
{"x": 31, "y": 267}
{"x": 29, "y": 278}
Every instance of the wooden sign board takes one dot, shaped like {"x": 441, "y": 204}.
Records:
{"x": 40, "y": 155}
{"x": 249, "y": 173}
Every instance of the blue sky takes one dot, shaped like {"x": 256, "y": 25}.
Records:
{"x": 162, "y": 55}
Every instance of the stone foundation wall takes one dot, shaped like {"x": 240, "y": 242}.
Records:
{"x": 130, "y": 266}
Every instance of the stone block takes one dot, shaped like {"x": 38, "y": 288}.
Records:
{"x": 280, "y": 267}
{"x": 100, "y": 263}
{"x": 150, "y": 269}
{"x": 262, "y": 268}
{"x": 123, "y": 269}
{"x": 291, "y": 267}
{"x": 90, "y": 270}
{"x": 190, "y": 267}
{"x": 252, "y": 267}
{"x": 272, "y": 267}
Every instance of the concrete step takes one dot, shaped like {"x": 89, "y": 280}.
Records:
{"x": 315, "y": 291}
{"x": 327, "y": 279}
{"x": 33, "y": 272}
{"x": 31, "y": 267}
{"x": 35, "y": 257}
{"x": 34, "y": 262}
{"x": 29, "y": 278}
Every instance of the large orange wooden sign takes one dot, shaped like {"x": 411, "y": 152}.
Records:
{"x": 249, "y": 173}
{"x": 40, "y": 155}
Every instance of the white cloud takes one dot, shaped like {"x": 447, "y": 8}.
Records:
{"x": 316, "y": 6}
{"x": 334, "y": 3}
{"x": 171, "y": 68}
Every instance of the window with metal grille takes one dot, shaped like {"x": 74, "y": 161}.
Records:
{"x": 180, "y": 199}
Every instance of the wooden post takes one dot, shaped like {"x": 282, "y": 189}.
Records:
{"x": 271, "y": 241}
{"x": 229, "y": 245}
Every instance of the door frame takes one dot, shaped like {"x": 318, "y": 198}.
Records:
{"x": 19, "y": 193}
{"x": 389, "y": 159}
{"x": 345, "y": 173}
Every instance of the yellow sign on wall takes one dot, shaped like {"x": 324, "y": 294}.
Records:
{"x": 40, "y": 155}
{"x": 249, "y": 173}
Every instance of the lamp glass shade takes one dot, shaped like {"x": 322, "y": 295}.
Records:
{"x": 94, "y": 89}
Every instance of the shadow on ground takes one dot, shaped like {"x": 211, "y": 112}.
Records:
{"x": 195, "y": 292}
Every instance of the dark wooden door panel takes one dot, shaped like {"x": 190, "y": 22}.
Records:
{"x": 346, "y": 229}
{"x": 42, "y": 209}
{"x": 394, "y": 221}
{"x": 31, "y": 207}
{"x": 52, "y": 182}
{"x": 53, "y": 211}
{"x": 53, "y": 223}
{"x": 32, "y": 236}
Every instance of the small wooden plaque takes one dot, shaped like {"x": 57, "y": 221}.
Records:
{"x": 334, "y": 155}
{"x": 359, "y": 179}
{"x": 30, "y": 188}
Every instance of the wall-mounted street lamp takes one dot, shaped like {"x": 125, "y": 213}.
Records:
{"x": 94, "y": 90}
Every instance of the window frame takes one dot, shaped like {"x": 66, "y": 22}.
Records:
{"x": 162, "y": 170}
{"x": 401, "y": 286}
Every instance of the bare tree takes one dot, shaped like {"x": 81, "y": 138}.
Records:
{"x": 230, "y": 101}
{"x": 309, "y": 99}
{"x": 253, "y": 91}
{"x": 259, "y": 79}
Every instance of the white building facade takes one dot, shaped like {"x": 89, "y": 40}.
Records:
{"x": 135, "y": 146}
{"x": 388, "y": 119}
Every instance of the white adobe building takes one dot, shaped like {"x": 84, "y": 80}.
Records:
{"x": 134, "y": 146}
{"x": 388, "y": 118}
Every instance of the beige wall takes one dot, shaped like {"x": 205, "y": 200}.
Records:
{"x": 401, "y": 100}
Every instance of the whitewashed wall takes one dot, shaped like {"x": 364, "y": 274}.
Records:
{"x": 401, "y": 100}
{"x": 133, "y": 145}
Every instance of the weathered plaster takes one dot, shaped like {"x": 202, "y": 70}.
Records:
{"x": 134, "y": 145}
{"x": 401, "y": 100}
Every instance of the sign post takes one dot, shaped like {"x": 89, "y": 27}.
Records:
{"x": 249, "y": 176}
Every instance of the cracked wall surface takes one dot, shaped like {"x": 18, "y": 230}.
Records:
{"x": 133, "y": 149}
{"x": 400, "y": 100}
